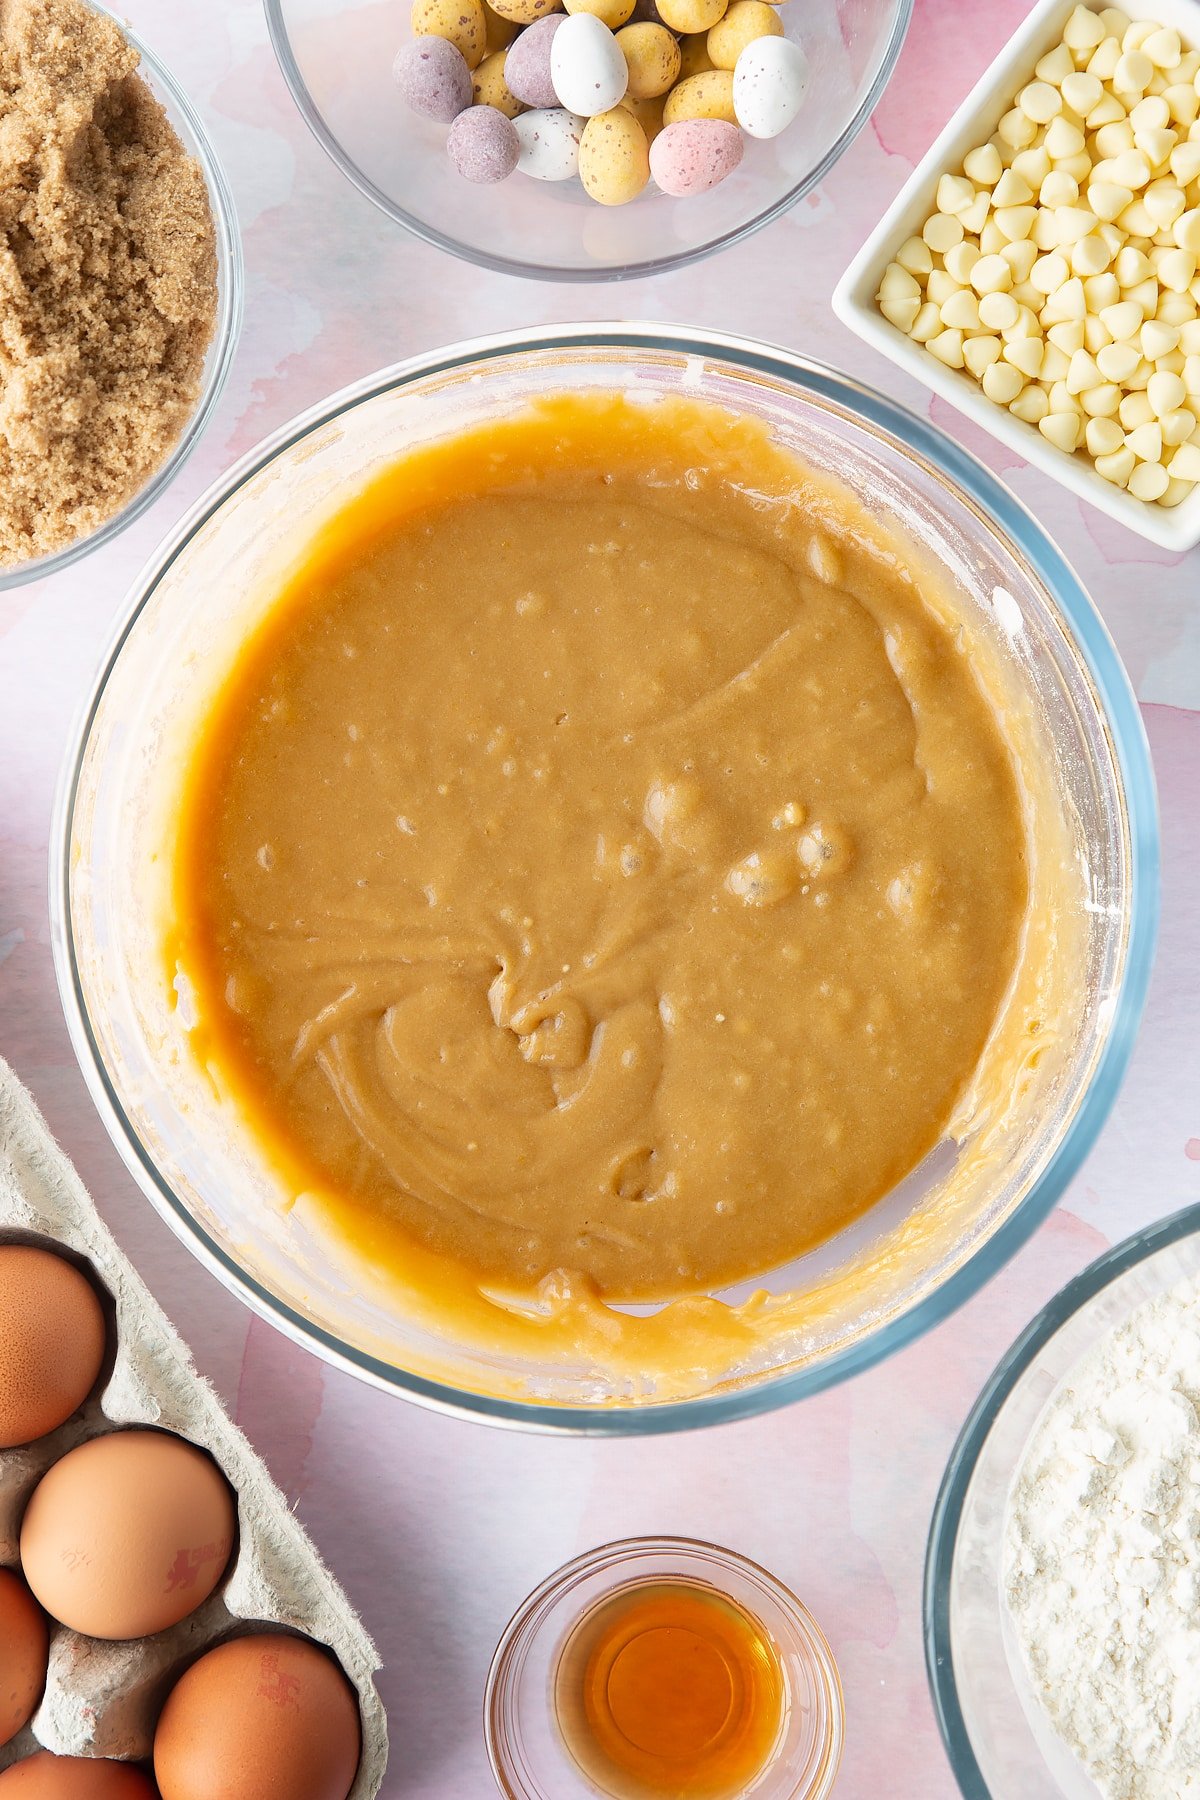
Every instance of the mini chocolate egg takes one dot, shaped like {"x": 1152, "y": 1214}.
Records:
{"x": 690, "y": 16}
{"x": 769, "y": 85}
{"x": 265, "y": 1717}
{"x": 648, "y": 113}
{"x": 651, "y": 55}
{"x": 127, "y": 1534}
{"x": 693, "y": 156}
{"x": 614, "y": 157}
{"x": 24, "y": 1649}
{"x": 498, "y": 32}
{"x": 525, "y": 12}
{"x": 586, "y": 66}
{"x": 527, "y": 64}
{"x": 46, "y": 1777}
{"x": 460, "y": 22}
{"x": 52, "y": 1342}
{"x": 483, "y": 145}
{"x": 693, "y": 55}
{"x": 549, "y": 140}
{"x": 708, "y": 95}
{"x": 744, "y": 23}
{"x": 434, "y": 78}
{"x": 613, "y": 13}
{"x": 489, "y": 87}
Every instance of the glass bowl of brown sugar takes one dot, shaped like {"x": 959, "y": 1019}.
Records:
{"x": 111, "y": 364}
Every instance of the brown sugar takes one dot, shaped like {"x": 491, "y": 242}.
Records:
{"x": 107, "y": 276}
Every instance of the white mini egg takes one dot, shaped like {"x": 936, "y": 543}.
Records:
{"x": 770, "y": 80}
{"x": 549, "y": 139}
{"x": 587, "y": 67}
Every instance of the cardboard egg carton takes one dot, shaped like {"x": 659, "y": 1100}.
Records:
{"x": 102, "y": 1699}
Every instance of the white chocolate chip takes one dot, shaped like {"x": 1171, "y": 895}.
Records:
{"x": 1148, "y": 481}
{"x": 1002, "y": 383}
{"x": 1102, "y": 437}
{"x": 1118, "y": 467}
{"x": 1165, "y": 391}
{"x": 954, "y": 194}
{"x": 1040, "y": 102}
{"x": 915, "y": 256}
{"x": 983, "y": 166}
{"x": 1061, "y": 429}
{"x": 947, "y": 346}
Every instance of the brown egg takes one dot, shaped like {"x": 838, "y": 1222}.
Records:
{"x": 127, "y": 1534}
{"x": 266, "y": 1717}
{"x": 24, "y": 1647}
{"x": 52, "y": 1339}
{"x": 46, "y": 1777}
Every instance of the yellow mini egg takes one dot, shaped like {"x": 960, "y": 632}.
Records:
{"x": 24, "y": 1646}
{"x": 52, "y": 1342}
{"x": 127, "y": 1534}
{"x": 460, "y": 22}
{"x": 648, "y": 113}
{"x": 691, "y": 15}
{"x": 614, "y": 157}
{"x": 263, "y": 1717}
{"x": 499, "y": 32}
{"x": 651, "y": 55}
{"x": 612, "y": 13}
{"x": 745, "y": 21}
{"x": 525, "y": 12}
{"x": 705, "y": 96}
{"x": 489, "y": 88}
{"x": 693, "y": 55}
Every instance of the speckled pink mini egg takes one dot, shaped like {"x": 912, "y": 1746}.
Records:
{"x": 434, "y": 78}
{"x": 527, "y": 64}
{"x": 694, "y": 155}
{"x": 483, "y": 145}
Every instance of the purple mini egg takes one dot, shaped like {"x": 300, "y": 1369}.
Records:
{"x": 434, "y": 78}
{"x": 527, "y": 64}
{"x": 483, "y": 145}
{"x": 694, "y": 155}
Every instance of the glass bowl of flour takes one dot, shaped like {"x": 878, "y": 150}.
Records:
{"x": 1062, "y": 1585}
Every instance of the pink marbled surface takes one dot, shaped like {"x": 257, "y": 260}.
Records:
{"x": 439, "y": 1528}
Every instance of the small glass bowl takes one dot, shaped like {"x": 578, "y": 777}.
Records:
{"x": 998, "y": 1736}
{"x": 185, "y": 121}
{"x": 337, "y": 55}
{"x": 529, "y": 1758}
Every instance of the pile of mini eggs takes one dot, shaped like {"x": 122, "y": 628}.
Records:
{"x": 616, "y": 92}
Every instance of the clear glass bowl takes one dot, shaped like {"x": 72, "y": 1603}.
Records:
{"x": 527, "y": 1753}
{"x": 186, "y": 122}
{"x": 918, "y": 1253}
{"x": 337, "y": 57}
{"x": 997, "y": 1734}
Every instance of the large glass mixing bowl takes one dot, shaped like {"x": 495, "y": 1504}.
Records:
{"x": 920, "y": 1251}
{"x": 337, "y": 56}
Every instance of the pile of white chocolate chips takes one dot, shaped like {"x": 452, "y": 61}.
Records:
{"x": 1060, "y": 267}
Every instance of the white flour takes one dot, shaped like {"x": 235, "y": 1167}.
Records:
{"x": 1102, "y": 1555}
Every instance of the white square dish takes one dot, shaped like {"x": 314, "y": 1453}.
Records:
{"x": 854, "y": 302}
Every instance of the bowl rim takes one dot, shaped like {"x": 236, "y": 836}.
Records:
{"x": 1130, "y": 750}
{"x": 512, "y": 265}
{"x": 231, "y": 283}
{"x": 1142, "y": 1244}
